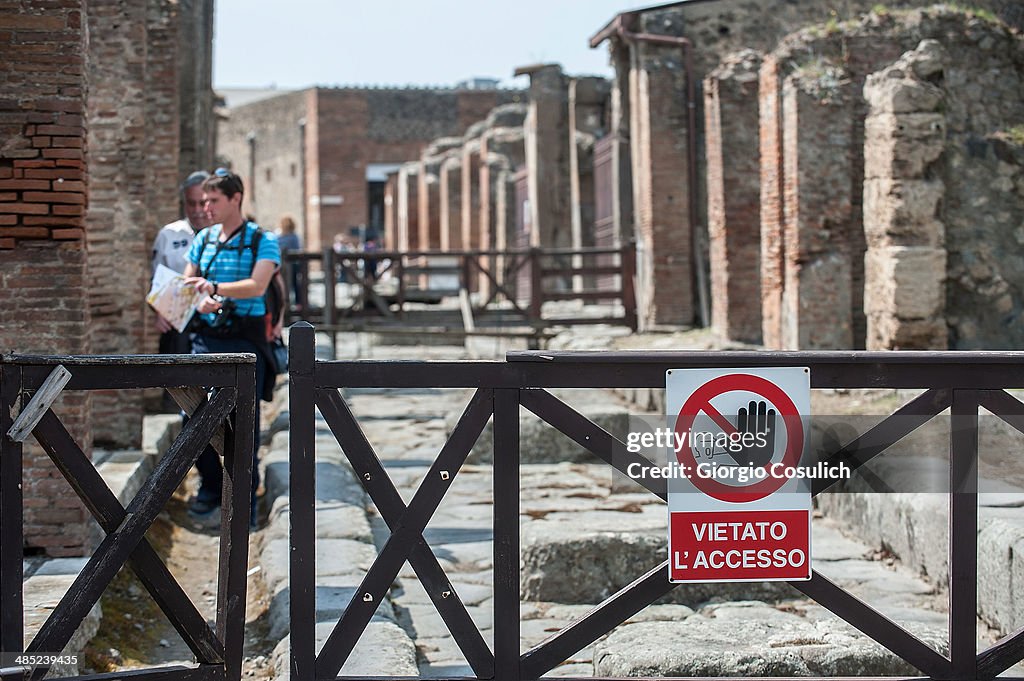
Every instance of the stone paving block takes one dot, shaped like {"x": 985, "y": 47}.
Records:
{"x": 747, "y": 639}
{"x": 334, "y": 520}
{"x": 383, "y": 650}
{"x": 333, "y": 595}
{"x": 333, "y": 482}
{"x": 333, "y": 557}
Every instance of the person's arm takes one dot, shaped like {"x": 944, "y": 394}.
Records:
{"x": 251, "y": 287}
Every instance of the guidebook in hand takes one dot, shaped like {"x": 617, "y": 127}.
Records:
{"x": 175, "y": 300}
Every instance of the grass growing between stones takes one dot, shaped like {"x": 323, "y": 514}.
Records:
{"x": 130, "y": 625}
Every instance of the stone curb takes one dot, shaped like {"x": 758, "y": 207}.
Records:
{"x": 915, "y": 527}
{"x": 345, "y": 550}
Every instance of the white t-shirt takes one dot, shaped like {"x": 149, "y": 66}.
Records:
{"x": 172, "y": 244}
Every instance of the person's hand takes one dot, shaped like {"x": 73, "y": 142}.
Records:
{"x": 756, "y": 419}
{"x": 162, "y": 325}
{"x": 200, "y": 284}
{"x": 207, "y": 305}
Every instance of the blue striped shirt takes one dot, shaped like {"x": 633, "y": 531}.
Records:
{"x": 233, "y": 261}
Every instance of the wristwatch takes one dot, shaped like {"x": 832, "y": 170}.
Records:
{"x": 214, "y": 288}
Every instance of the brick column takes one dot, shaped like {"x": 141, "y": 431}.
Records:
{"x": 587, "y": 100}
{"x": 660, "y": 174}
{"x": 43, "y": 190}
{"x": 390, "y": 212}
{"x": 451, "y": 203}
{"x": 905, "y": 132}
{"x": 429, "y": 204}
{"x": 733, "y": 180}
{"x": 547, "y": 151}
{"x": 819, "y": 224}
{"x": 129, "y": 162}
{"x": 471, "y": 194}
{"x": 408, "y": 207}
{"x": 772, "y": 245}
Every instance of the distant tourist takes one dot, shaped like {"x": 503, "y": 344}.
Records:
{"x": 288, "y": 240}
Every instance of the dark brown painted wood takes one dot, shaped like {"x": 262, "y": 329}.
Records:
{"x": 144, "y": 561}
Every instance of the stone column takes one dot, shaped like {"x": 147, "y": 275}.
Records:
{"x": 659, "y": 145}
{"x": 587, "y": 100}
{"x": 43, "y": 269}
{"x": 408, "y": 207}
{"x": 905, "y": 132}
{"x": 733, "y": 180}
{"x": 547, "y": 156}
{"x": 451, "y": 203}
{"x": 429, "y": 204}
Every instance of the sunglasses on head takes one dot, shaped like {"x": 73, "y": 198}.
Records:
{"x": 231, "y": 177}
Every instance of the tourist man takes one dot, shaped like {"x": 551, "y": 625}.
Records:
{"x": 232, "y": 262}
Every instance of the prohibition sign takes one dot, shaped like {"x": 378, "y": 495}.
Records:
{"x": 700, "y": 401}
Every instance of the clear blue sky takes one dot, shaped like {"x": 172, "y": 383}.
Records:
{"x": 295, "y": 43}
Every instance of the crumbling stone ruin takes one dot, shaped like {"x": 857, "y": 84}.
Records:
{"x": 842, "y": 210}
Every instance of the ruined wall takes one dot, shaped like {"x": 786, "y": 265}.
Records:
{"x": 982, "y": 168}
{"x": 264, "y": 143}
{"x": 43, "y": 192}
{"x": 361, "y": 126}
{"x": 844, "y": 55}
{"x": 715, "y": 30}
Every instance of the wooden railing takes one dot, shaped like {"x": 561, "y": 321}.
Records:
{"x": 225, "y": 420}
{"x": 489, "y": 283}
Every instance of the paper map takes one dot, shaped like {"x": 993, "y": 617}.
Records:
{"x": 175, "y": 300}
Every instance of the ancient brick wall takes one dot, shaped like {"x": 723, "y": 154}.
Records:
{"x": 821, "y": 238}
{"x": 264, "y": 143}
{"x": 731, "y": 124}
{"x": 43, "y": 194}
{"x": 361, "y": 126}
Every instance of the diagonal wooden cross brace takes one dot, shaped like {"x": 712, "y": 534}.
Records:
{"x": 118, "y": 545}
{"x": 144, "y": 561}
{"x": 406, "y": 541}
{"x": 653, "y": 585}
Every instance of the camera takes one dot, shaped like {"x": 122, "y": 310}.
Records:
{"x": 225, "y": 315}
